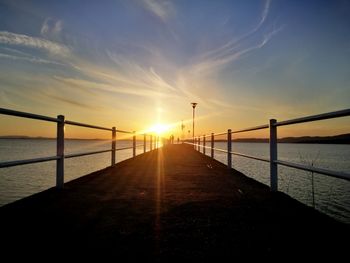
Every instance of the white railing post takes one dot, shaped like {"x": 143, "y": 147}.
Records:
{"x": 229, "y": 149}
{"x": 204, "y": 144}
{"x": 144, "y": 143}
{"x": 199, "y": 144}
{"x": 212, "y": 146}
{"x": 150, "y": 143}
{"x": 60, "y": 152}
{"x": 273, "y": 156}
{"x": 133, "y": 144}
{"x": 113, "y": 146}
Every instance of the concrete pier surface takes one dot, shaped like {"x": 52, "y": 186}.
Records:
{"x": 171, "y": 204}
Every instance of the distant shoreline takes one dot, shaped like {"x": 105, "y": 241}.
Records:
{"x": 337, "y": 139}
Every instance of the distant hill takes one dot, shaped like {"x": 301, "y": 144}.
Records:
{"x": 18, "y": 137}
{"x": 337, "y": 139}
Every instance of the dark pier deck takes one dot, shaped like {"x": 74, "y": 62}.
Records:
{"x": 172, "y": 203}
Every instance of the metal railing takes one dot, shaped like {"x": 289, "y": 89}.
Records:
{"x": 60, "y": 155}
{"x": 274, "y": 162}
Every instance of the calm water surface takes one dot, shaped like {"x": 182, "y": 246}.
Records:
{"x": 332, "y": 196}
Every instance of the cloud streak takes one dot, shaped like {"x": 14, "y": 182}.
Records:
{"x": 72, "y": 102}
{"x": 29, "y": 59}
{"x": 33, "y": 42}
{"x": 232, "y": 44}
{"x": 160, "y": 8}
{"x": 89, "y": 86}
{"x": 236, "y": 47}
{"x": 51, "y": 27}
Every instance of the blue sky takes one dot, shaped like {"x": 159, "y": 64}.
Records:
{"x": 135, "y": 63}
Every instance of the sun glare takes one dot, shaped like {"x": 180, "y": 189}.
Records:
{"x": 159, "y": 128}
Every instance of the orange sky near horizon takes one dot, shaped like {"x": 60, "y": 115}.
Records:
{"x": 203, "y": 125}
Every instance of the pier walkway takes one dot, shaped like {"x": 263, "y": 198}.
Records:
{"x": 172, "y": 203}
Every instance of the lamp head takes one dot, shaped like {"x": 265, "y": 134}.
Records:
{"x": 194, "y": 104}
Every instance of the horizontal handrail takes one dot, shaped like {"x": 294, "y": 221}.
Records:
{"x": 309, "y": 168}
{"x": 72, "y": 155}
{"x": 124, "y": 148}
{"x": 260, "y": 127}
{"x": 318, "y": 117}
{"x": 251, "y": 157}
{"x": 221, "y": 133}
{"x": 28, "y": 161}
{"x": 87, "y": 125}
{"x": 208, "y": 147}
{"x": 220, "y": 150}
{"x": 52, "y": 158}
{"x": 27, "y": 115}
{"x": 121, "y": 131}
{"x": 234, "y": 153}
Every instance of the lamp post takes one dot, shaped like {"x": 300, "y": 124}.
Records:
{"x": 194, "y": 104}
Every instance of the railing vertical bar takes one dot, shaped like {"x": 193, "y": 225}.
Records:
{"x": 204, "y": 144}
{"x": 273, "y": 156}
{"x": 199, "y": 144}
{"x": 150, "y": 142}
{"x": 144, "y": 143}
{"x": 134, "y": 145}
{"x": 113, "y": 146}
{"x": 229, "y": 149}
{"x": 60, "y": 152}
{"x": 212, "y": 145}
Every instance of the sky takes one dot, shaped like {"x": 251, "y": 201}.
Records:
{"x": 135, "y": 63}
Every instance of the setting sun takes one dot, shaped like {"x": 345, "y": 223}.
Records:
{"x": 159, "y": 128}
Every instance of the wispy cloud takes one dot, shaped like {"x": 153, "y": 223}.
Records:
{"x": 30, "y": 59}
{"x": 265, "y": 12}
{"x": 51, "y": 27}
{"x": 33, "y": 42}
{"x": 232, "y": 43}
{"x": 105, "y": 87}
{"x": 162, "y": 9}
{"x": 5, "y": 99}
{"x": 71, "y": 101}
{"x": 236, "y": 47}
